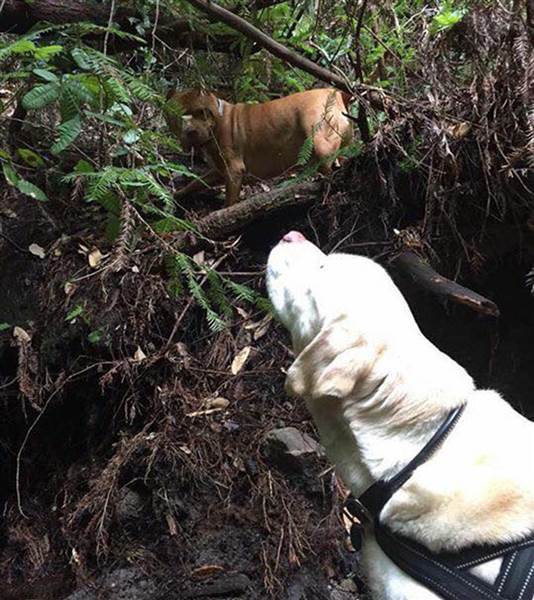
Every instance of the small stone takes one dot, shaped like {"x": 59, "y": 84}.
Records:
{"x": 291, "y": 449}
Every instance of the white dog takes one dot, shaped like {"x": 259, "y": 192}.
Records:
{"x": 378, "y": 390}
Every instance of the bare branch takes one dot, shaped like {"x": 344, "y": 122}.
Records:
{"x": 425, "y": 276}
{"x": 267, "y": 42}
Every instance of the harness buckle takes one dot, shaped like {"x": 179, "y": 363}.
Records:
{"x": 355, "y": 510}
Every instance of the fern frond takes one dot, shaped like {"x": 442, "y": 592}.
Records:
{"x": 41, "y": 96}
{"x": 68, "y": 132}
{"x": 306, "y": 151}
{"x": 217, "y": 292}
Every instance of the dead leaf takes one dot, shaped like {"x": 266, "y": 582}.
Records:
{"x": 21, "y": 335}
{"x": 171, "y": 523}
{"x": 200, "y": 258}
{"x": 241, "y": 312}
{"x": 69, "y": 288}
{"x": 200, "y": 413}
{"x": 218, "y": 402}
{"x": 37, "y": 250}
{"x": 240, "y": 359}
{"x": 459, "y": 130}
{"x": 206, "y": 571}
{"x": 94, "y": 258}
{"x": 139, "y": 355}
{"x": 263, "y": 327}
{"x": 185, "y": 449}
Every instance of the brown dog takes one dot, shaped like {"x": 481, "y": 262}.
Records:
{"x": 262, "y": 140}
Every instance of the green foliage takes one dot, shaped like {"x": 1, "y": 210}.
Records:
{"x": 448, "y": 16}
{"x": 68, "y": 132}
{"x": 24, "y": 186}
{"x": 41, "y": 96}
{"x": 100, "y": 112}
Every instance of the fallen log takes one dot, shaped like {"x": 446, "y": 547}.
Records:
{"x": 222, "y": 223}
{"x": 19, "y": 16}
{"x": 425, "y": 276}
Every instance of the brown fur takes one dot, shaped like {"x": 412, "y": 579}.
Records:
{"x": 261, "y": 140}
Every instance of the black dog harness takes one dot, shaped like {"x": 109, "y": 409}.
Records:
{"x": 446, "y": 574}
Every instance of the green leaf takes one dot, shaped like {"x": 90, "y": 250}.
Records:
{"x": 46, "y": 75}
{"x": 29, "y": 189}
{"x": 46, "y": 52}
{"x": 83, "y": 59}
{"x": 95, "y": 336}
{"x": 22, "y": 46}
{"x": 75, "y": 312}
{"x": 5, "y": 155}
{"x": 447, "y": 17}
{"x": 30, "y": 157}
{"x": 41, "y": 96}
{"x": 4, "y": 326}
{"x": 83, "y": 166}
{"x": 131, "y": 136}
{"x": 169, "y": 224}
{"x": 79, "y": 90}
{"x": 10, "y": 174}
{"x": 68, "y": 132}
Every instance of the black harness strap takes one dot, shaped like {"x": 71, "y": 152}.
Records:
{"x": 450, "y": 583}
{"x": 516, "y": 578}
{"x": 376, "y": 496}
{"x": 445, "y": 573}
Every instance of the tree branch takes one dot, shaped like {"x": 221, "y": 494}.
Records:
{"x": 425, "y": 276}
{"x": 267, "y": 42}
{"x": 222, "y": 223}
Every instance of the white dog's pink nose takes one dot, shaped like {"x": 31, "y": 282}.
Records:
{"x": 293, "y": 236}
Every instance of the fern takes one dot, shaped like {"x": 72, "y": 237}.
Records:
{"x": 306, "y": 151}
{"x": 241, "y": 292}
{"x": 217, "y": 293}
{"x": 68, "y": 132}
{"x": 139, "y": 89}
{"x": 21, "y": 46}
{"x": 115, "y": 91}
{"x": 41, "y": 96}
{"x": 186, "y": 266}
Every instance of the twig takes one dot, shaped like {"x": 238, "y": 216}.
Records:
{"x": 155, "y": 28}
{"x": 110, "y": 23}
{"x": 425, "y": 276}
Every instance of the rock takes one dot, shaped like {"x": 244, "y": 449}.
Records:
{"x": 122, "y": 584}
{"x": 290, "y": 449}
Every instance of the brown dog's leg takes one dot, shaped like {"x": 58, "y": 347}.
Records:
{"x": 234, "y": 180}
{"x": 212, "y": 177}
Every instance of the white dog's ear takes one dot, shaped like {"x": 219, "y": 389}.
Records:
{"x": 331, "y": 364}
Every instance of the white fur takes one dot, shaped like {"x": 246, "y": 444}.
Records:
{"x": 377, "y": 390}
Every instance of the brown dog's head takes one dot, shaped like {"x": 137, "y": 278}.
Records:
{"x": 192, "y": 116}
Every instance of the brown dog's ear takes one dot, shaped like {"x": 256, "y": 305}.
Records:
{"x": 331, "y": 364}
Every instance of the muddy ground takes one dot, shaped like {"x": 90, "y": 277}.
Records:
{"x": 112, "y": 489}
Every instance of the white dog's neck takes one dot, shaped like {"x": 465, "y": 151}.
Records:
{"x": 385, "y": 442}
{"x": 374, "y": 438}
